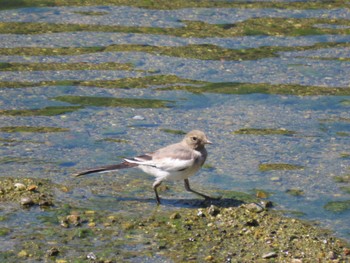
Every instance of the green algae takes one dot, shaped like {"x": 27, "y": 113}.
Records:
{"x": 342, "y": 179}
{"x": 175, "y": 234}
{"x": 20, "y": 160}
{"x": 264, "y": 88}
{"x": 345, "y": 189}
{"x": 343, "y": 134}
{"x": 114, "y": 102}
{"x": 47, "y": 51}
{"x": 132, "y": 82}
{"x": 115, "y": 140}
{"x": 171, "y": 82}
{"x": 256, "y": 131}
{"x": 41, "y": 194}
{"x": 63, "y": 66}
{"x": 91, "y": 13}
{"x": 176, "y": 4}
{"x": 11, "y": 129}
{"x": 47, "y": 111}
{"x": 4, "y": 231}
{"x": 171, "y": 131}
{"x": 265, "y": 167}
{"x": 337, "y": 206}
{"x": 295, "y": 192}
{"x": 253, "y": 26}
{"x": 199, "y": 51}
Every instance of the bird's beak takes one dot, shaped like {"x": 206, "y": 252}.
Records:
{"x": 208, "y": 142}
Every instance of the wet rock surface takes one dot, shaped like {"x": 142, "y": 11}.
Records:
{"x": 244, "y": 231}
{"x": 26, "y": 191}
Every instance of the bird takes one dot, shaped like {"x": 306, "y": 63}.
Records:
{"x": 177, "y": 161}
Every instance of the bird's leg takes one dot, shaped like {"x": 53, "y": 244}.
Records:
{"x": 188, "y": 188}
{"x": 155, "y": 186}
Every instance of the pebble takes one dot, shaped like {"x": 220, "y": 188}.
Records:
{"x": 20, "y": 186}
{"x": 22, "y": 254}
{"x": 26, "y": 201}
{"x": 275, "y": 179}
{"x": 52, "y": 252}
{"x": 213, "y": 210}
{"x": 91, "y": 256}
{"x": 32, "y": 187}
{"x": 138, "y": 117}
{"x": 175, "y": 215}
{"x": 254, "y": 207}
{"x": 270, "y": 255}
{"x": 200, "y": 213}
{"x": 73, "y": 219}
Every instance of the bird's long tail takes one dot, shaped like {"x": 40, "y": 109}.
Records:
{"x": 107, "y": 168}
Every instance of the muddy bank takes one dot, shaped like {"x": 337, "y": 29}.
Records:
{"x": 233, "y": 230}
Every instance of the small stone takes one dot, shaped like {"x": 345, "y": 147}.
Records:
{"x": 27, "y": 201}
{"x": 266, "y": 204}
{"x": 22, "y": 254}
{"x": 138, "y": 117}
{"x": 213, "y": 210}
{"x": 91, "y": 256}
{"x": 254, "y": 207}
{"x": 200, "y": 213}
{"x": 275, "y": 179}
{"x": 332, "y": 255}
{"x": 261, "y": 194}
{"x": 90, "y": 212}
{"x": 52, "y": 252}
{"x": 32, "y": 187}
{"x": 209, "y": 258}
{"x": 175, "y": 215}
{"x": 92, "y": 224}
{"x": 112, "y": 219}
{"x": 270, "y": 255}
{"x": 73, "y": 219}
{"x": 45, "y": 203}
{"x": 20, "y": 186}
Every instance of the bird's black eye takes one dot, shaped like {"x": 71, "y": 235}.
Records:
{"x": 194, "y": 138}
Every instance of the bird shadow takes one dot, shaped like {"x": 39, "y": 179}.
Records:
{"x": 187, "y": 203}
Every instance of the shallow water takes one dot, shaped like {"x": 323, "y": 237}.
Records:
{"x": 320, "y": 122}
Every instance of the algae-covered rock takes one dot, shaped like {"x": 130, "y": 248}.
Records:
{"x": 26, "y": 191}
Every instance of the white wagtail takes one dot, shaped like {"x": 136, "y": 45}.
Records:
{"x": 177, "y": 161}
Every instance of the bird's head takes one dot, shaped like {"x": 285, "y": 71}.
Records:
{"x": 196, "y": 139}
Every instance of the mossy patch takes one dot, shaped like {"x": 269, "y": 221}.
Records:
{"x": 295, "y": 192}
{"x": 63, "y": 66}
{"x": 38, "y": 190}
{"x": 345, "y": 102}
{"x": 265, "y": 167}
{"x": 342, "y": 179}
{"x": 272, "y": 26}
{"x": 20, "y": 160}
{"x": 176, "y": 4}
{"x": 47, "y": 111}
{"x": 116, "y": 140}
{"x": 171, "y": 82}
{"x": 177, "y": 132}
{"x": 256, "y": 131}
{"x": 338, "y": 206}
{"x": 12, "y": 129}
{"x": 4, "y": 231}
{"x": 114, "y": 102}
{"x": 263, "y": 88}
{"x": 345, "y": 189}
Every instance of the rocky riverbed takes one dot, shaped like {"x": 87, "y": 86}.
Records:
{"x": 237, "y": 228}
